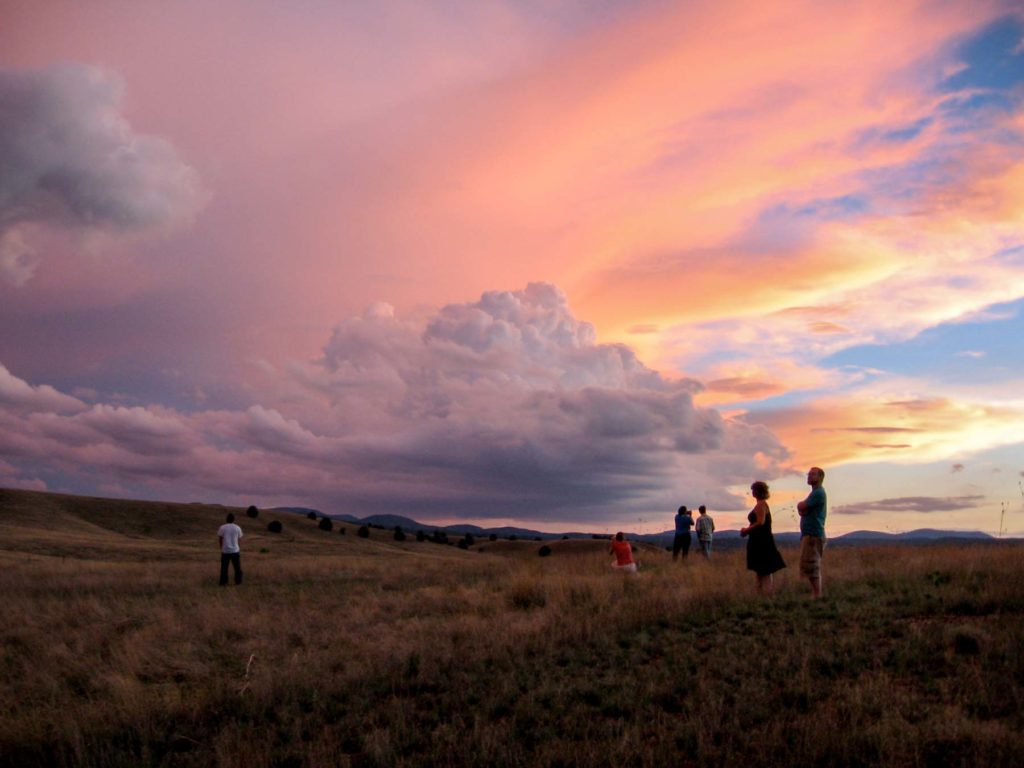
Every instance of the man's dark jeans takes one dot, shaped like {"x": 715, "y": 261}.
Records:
{"x": 681, "y": 543}
{"x": 235, "y": 558}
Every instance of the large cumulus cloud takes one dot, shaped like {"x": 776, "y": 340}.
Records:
{"x": 71, "y": 160}
{"x": 506, "y": 407}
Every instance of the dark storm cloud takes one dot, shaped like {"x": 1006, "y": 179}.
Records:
{"x": 71, "y": 160}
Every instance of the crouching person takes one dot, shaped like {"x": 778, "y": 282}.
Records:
{"x": 623, "y": 552}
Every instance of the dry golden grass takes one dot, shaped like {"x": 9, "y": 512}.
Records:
{"x": 119, "y": 649}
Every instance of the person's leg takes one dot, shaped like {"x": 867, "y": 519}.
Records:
{"x": 677, "y": 544}
{"x": 817, "y": 587}
{"x": 811, "y": 548}
{"x": 224, "y": 558}
{"x": 686, "y": 546}
{"x": 236, "y": 561}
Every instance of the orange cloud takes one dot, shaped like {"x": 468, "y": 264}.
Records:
{"x": 830, "y": 431}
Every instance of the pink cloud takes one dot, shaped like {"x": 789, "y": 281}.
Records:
{"x": 18, "y": 394}
{"x": 505, "y": 407}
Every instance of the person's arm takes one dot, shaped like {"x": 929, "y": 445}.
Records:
{"x": 220, "y": 543}
{"x": 759, "y": 512}
{"x": 810, "y": 505}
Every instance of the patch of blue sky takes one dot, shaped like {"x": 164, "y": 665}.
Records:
{"x": 793, "y": 398}
{"x": 964, "y": 107}
{"x": 991, "y": 80}
{"x": 906, "y": 133}
{"x": 986, "y": 350}
{"x": 888, "y": 135}
{"x": 994, "y": 58}
{"x": 842, "y": 207}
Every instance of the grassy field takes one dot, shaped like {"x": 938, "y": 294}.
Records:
{"x": 119, "y": 649}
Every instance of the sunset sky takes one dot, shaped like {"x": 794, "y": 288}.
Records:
{"x": 565, "y": 265}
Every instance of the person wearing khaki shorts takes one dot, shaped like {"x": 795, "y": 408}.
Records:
{"x": 812, "y": 512}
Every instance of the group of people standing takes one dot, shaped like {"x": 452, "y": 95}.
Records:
{"x": 763, "y": 557}
{"x": 684, "y": 522}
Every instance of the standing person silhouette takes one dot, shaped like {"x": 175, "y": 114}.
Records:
{"x": 228, "y": 535}
{"x": 763, "y": 556}
{"x": 812, "y": 511}
{"x": 705, "y": 528}
{"x": 681, "y": 542}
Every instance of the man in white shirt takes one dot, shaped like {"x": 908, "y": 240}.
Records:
{"x": 230, "y": 552}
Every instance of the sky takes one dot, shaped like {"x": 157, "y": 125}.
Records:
{"x": 564, "y": 265}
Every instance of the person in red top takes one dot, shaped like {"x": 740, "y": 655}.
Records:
{"x": 623, "y": 554}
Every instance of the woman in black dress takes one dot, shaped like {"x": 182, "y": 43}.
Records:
{"x": 763, "y": 556}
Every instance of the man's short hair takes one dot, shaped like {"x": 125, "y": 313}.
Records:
{"x": 231, "y": 517}
{"x": 820, "y": 471}
{"x": 682, "y": 510}
{"x": 702, "y": 509}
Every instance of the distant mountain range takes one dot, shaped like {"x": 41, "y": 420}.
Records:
{"x": 728, "y": 538}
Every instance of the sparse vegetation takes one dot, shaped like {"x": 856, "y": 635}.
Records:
{"x": 325, "y": 524}
{"x": 274, "y": 526}
{"x": 363, "y": 532}
{"x": 252, "y": 511}
{"x": 118, "y": 649}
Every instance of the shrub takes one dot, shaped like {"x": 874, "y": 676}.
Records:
{"x": 468, "y": 538}
{"x": 363, "y": 532}
{"x": 544, "y": 551}
{"x": 343, "y": 532}
{"x": 252, "y": 511}
{"x": 325, "y": 524}
{"x": 463, "y": 544}
{"x": 513, "y": 537}
{"x": 439, "y": 537}
{"x": 421, "y": 536}
{"x": 311, "y": 515}
{"x": 399, "y": 533}
{"x": 274, "y": 526}
{"x": 493, "y": 537}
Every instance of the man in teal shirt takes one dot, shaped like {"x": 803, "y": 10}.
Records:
{"x": 812, "y": 529}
